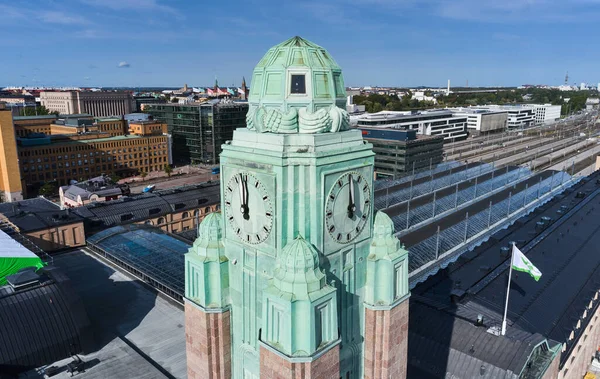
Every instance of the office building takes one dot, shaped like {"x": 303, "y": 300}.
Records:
{"x": 526, "y": 115}
{"x": 141, "y": 101}
{"x": 199, "y": 129}
{"x": 26, "y": 125}
{"x": 401, "y": 152}
{"x": 10, "y": 180}
{"x": 546, "y": 113}
{"x": 592, "y": 103}
{"x": 431, "y": 123}
{"x": 301, "y": 285}
{"x": 98, "y": 103}
{"x": 483, "y": 121}
{"x": 83, "y": 148}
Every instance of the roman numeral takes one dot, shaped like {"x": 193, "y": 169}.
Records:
{"x": 265, "y": 229}
{"x": 268, "y": 214}
{"x": 331, "y": 229}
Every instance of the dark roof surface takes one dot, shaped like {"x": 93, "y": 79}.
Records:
{"x": 41, "y": 323}
{"x": 156, "y": 254}
{"x": 36, "y": 214}
{"x": 150, "y": 205}
{"x": 563, "y": 249}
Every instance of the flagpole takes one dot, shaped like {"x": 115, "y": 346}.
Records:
{"x": 512, "y": 253}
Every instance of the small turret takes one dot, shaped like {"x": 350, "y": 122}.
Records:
{"x": 387, "y": 265}
{"x": 299, "y": 307}
{"x": 206, "y": 274}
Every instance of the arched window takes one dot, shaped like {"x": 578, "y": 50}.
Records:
{"x": 148, "y": 222}
{"x": 161, "y": 220}
{"x": 207, "y": 210}
{"x": 185, "y": 215}
{"x": 196, "y": 212}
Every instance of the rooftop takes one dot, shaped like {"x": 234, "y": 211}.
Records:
{"x": 36, "y": 214}
{"x": 101, "y": 186}
{"x": 147, "y": 250}
{"x": 139, "y": 334}
{"x": 560, "y": 239}
{"x": 42, "y": 321}
{"x": 149, "y": 205}
{"x": 42, "y": 117}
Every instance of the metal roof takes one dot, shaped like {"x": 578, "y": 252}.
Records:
{"x": 150, "y": 205}
{"x": 563, "y": 249}
{"x": 147, "y": 250}
{"x": 35, "y": 214}
{"x": 42, "y": 323}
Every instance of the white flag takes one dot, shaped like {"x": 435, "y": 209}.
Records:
{"x": 521, "y": 263}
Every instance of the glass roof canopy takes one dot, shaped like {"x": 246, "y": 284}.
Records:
{"x": 148, "y": 253}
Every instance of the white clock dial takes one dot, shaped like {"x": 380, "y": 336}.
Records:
{"x": 248, "y": 208}
{"x": 348, "y": 207}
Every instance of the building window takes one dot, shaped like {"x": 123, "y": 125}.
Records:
{"x": 298, "y": 84}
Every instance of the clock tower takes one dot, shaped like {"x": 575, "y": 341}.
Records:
{"x": 296, "y": 231}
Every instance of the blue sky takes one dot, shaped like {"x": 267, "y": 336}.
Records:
{"x": 376, "y": 42}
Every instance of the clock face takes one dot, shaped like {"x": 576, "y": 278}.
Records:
{"x": 248, "y": 208}
{"x": 348, "y": 207}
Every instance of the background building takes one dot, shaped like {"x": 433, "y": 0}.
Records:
{"x": 10, "y": 180}
{"x": 100, "y": 188}
{"x": 198, "y": 130}
{"x": 43, "y": 223}
{"x": 97, "y": 103}
{"x": 481, "y": 121}
{"x": 399, "y": 152}
{"x": 83, "y": 148}
{"x": 432, "y": 123}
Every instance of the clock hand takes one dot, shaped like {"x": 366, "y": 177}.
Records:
{"x": 242, "y": 190}
{"x": 246, "y": 209}
{"x": 351, "y": 205}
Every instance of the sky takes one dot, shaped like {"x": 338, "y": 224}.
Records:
{"x": 138, "y": 43}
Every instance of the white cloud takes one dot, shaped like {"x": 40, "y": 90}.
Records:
{"x": 137, "y": 5}
{"x": 54, "y": 17}
{"x": 123, "y": 65}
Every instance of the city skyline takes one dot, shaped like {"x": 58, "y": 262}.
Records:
{"x": 139, "y": 43}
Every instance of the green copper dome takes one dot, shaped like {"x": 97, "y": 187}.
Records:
{"x": 297, "y": 87}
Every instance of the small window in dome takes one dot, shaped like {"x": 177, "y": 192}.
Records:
{"x": 298, "y": 84}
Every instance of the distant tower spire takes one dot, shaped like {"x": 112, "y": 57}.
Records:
{"x": 567, "y": 78}
{"x": 216, "y": 85}
{"x": 244, "y": 89}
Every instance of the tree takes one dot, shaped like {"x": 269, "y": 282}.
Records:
{"x": 114, "y": 178}
{"x": 48, "y": 189}
{"x": 143, "y": 174}
{"x": 174, "y": 100}
{"x": 37, "y": 111}
{"x": 168, "y": 170}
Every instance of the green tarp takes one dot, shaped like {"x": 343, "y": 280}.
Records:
{"x": 12, "y": 265}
